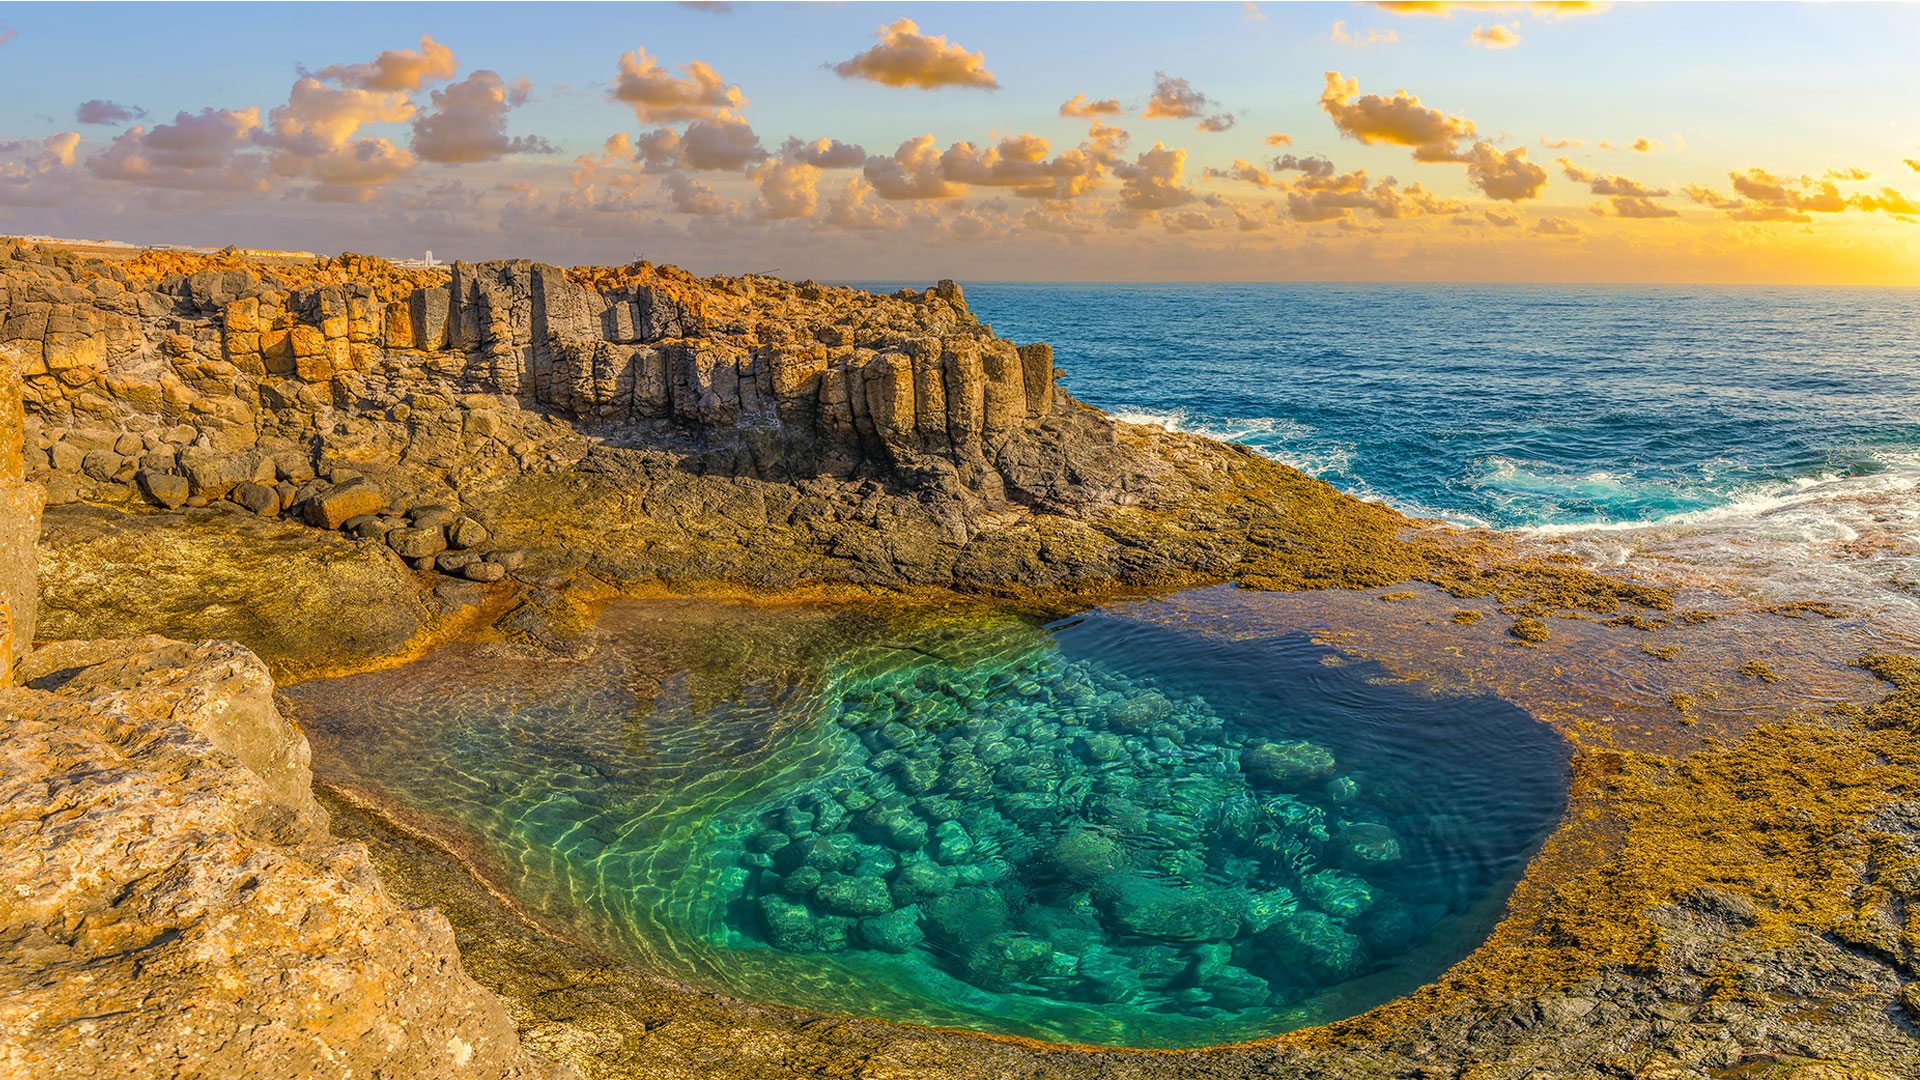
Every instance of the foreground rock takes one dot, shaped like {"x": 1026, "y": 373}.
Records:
{"x": 172, "y": 905}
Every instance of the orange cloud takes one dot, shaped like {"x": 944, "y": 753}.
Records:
{"x": 1545, "y": 9}
{"x": 1081, "y": 107}
{"x": 1152, "y": 181}
{"x": 1645, "y": 145}
{"x": 1399, "y": 120}
{"x": 722, "y": 144}
{"x": 913, "y": 172}
{"x": 1340, "y": 36}
{"x": 906, "y": 57}
{"x": 1608, "y": 185}
{"x": 1637, "y": 206}
{"x": 1849, "y": 175}
{"x": 658, "y": 98}
{"x": 1507, "y": 176}
{"x": 1279, "y": 138}
{"x": 1176, "y": 99}
{"x": 1912, "y": 164}
{"x": 1501, "y": 220}
{"x": 1556, "y": 226}
{"x": 396, "y": 69}
{"x": 468, "y": 123}
{"x": 1320, "y": 195}
{"x": 1560, "y": 144}
{"x": 1497, "y": 36}
{"x": 42, "y": 179}
{"x": 196, "y": 152}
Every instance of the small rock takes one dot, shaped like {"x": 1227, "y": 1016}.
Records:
{"x": 485, "y": 571}
{"x": 431, "y": 516}
{"x": 331, "y": 509}
{"x": 258, "y": 498}
{"x": 511, "y": 558}
{"x": 452, "y": 562}
{"x": 101, "y": 465}
{"x": 67, "y": 457}
{"x": 164, "y": 489}
{"x": 466, "y": 533}
{"x": 416, "y": 542}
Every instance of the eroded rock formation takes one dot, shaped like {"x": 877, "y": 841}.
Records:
{"x": 173, "y": 905}
{"x": 728, "y": 428}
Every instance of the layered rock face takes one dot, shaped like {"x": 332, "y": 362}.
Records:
{"x": 820, "y": 432}
{"x": 20, "y": 504}
{"x": 172, "y": 904}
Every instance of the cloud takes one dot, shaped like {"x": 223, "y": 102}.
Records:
{"x": 1176, "y": 99}
{"x": 658, "y": 98}
{"x": 1912, "y": 164}
{"x": 1152, "y": 181}
{"x": 1497, "y": 36}
{"x": 1849, "y": 175}
{"x": 468, "y": 123}
{"x": 1507, "y": 176}
{"x": 1608, "y": 185}
{"x": 850, "y": 209}
{"x": 722, "y": 144}
{"x": 1556, "y": 226}
{"x": 1246, "y": 173}
{"x": 99, "y": 111}
{"x": 1312, "y": 166}
{"x": 1278, "y": 138}
{"x": 824, "y": 153}
{"x": 1645, "y": 145}
{"x": 7, "y": 33}
{"x": 1020, "y": 162}
{"x": 1796, "y": 193}
{"x": 1320, "y": 195}
{"x": 1254, "y": 14}
{"x": 396, "y": 69}
{"x": 1340, "y": 36}
{"x": 1399, "y": 120}
{"x": 1561, "y": 144}
{"x": 1081, "y": 107}
{"x": 1500, "y": 219}
{"x": 689, "y": 196}
{"x": 1638, "y": 206}
{"x": 788, "y": 189}
{"x": 1888, "y": 201}
{"x": 912, "y": 172}
{"x": 906, "y": 57}
{"x": 196, "y": 152}
{"x": 42, "y": 178}
{"x": 1545, "y": 9}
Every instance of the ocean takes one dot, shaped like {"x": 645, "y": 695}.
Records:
{"x": 1764, "y": 439}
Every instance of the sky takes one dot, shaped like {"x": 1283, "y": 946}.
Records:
{"x": 1548, "y": 142}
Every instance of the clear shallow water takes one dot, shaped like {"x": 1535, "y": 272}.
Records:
{"x": 1103, "y": 831}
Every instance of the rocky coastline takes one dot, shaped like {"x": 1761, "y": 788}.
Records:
{"x": 339, "y": 464}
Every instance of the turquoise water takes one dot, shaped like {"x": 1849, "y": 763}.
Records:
{"x": 1527, "y": 406}
{"x": 1102, "y": 831}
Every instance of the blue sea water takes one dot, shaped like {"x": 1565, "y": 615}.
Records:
{"x": 1506, "y": 406}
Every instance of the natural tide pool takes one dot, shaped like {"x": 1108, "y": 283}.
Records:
{"x": 1104, "y": 830}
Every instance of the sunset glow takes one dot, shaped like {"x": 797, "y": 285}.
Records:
{"x": 1235, "y": 141}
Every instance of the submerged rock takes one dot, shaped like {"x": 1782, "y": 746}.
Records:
{"x": 1287, "y": 763}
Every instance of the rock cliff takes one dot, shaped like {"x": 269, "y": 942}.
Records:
{"x": 654, "y": 424}
{"x": 173, "y": 905}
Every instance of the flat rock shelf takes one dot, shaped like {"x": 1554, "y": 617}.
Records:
{"x": 1098, "y": 831}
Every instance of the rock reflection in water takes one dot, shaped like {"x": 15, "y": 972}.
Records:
{"x": 1101, "y": 832}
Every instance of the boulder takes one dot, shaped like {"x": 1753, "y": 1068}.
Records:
{"x": 101, "y": 465}
{"x": 1005, "y": 959}
{"x": 854, "y": 895}
{"x": 332, "y": 508}
{"x": 258, "y": 498}
{"x": 466, "y": 533}
{"x": 485, "y": 571}
{"x": 163, "y": 489}
{"x": 416, "y": 542}
{"x": 1287, "y": 763}
{"x": 895, "y": 932}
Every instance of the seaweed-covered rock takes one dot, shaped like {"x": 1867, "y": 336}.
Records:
{"x": 894, "y": 932}
{"x": 1085, "y": 853}
{"x": 1338, "y": 894}
{"x": 920, "y": 879}
{"x": 1287, "y": 763}
{"x": 854, "y": 895}
{"x": 1163, "y": 910}
{"x": 965, "y": 916}
{"x": 1368, "y": 844}
{"x": 1311, "y": 941}
{"x": 792, "y": 926}
{"x": 1006, "y": 958}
